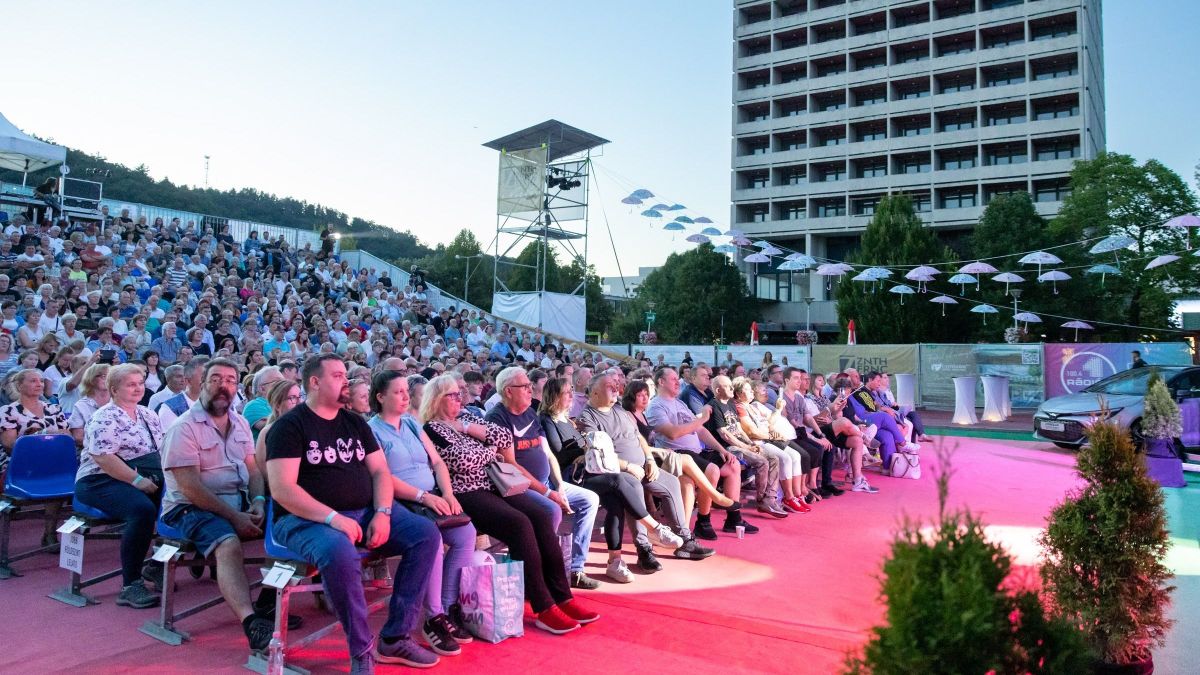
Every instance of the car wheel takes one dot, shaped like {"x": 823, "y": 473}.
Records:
{"x": 1066, "y": 446}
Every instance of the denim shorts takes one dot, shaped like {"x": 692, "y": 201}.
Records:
{"x": 204, "y": 529}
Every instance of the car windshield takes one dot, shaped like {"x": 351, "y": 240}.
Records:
{"x": 1129, "y": 382}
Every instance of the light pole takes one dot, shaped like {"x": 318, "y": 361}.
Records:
{"x": 467, "y": 271}
{"x": 1016, "y": 295}
{"x": 808, "y": 301}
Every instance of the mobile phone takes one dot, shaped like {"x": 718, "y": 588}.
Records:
{"x": 108, "y": 355}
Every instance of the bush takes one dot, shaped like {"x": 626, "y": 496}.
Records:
{"x": 948, "y": 611}
{"x": 1161, "y": 417}
{"x": 1105, "y": 545}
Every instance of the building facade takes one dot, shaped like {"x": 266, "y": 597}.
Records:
{"x": 837, "y": 103}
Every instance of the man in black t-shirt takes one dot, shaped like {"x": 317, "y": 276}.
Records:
{"x": 332, "y": 490}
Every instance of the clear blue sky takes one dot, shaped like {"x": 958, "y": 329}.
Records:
{"x": 379, "y": 109}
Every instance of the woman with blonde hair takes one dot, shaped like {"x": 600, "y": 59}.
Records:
{"x": 28, "y": 414}
{"x": 766, "y": 423}
{"x": 94, "y": 386}
{"x": 282, "y": 397}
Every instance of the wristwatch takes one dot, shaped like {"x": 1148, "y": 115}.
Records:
{"x": 387, "y": 511}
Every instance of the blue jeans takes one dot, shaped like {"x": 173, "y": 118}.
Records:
{"x": 126, "y": 503}
{"x": 414, "y": 537}
{"x": 447, "y": 567}
{"x": 585, "y": 504}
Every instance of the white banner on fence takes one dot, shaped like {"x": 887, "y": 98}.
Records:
{"x": 750, "y": 356}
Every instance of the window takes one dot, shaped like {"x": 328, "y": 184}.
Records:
{"x": 922, "y": 203}
{"x": 791, "y": 7}
{"x": 1051, "y": 191}
{"x": 917, "y": 125}
{"x": 956, "y": 120}
{"x": 755, "y": 80}
{"x": 1055, "y": 148}
{"x": 950, "y": 83}
{"x": 1002, "y": 75}
{"x": 755, "y": 113}
{"x": 793, "y": 176}
{"x": 871, "y": 168}
{"x": 911, "y": 53}
{"x": 909, "y": 164}
{"x": 789, "y": 142}
{"x": 956, "y": 86}
{"x": 870, "y": 95}
{"x": 909, "y": 16}
{"x": 756, "y": 14}
{"x": 865, "y": 206}
{"x": 957, "y": 159}
{"x": 791, "y": 40}
{"x": 825, "y": 141}
{"x": 754, "y": 47}
{"x": 1001, "y": 115}
{"x": 957, "y": 199}
{"x": 834, "y": 100}
{"x": 792, "y": 107}
{"x": 829, "y": 31}
{"x": 990, "y": 192}
{"x": 1049, "y": 69}
{"x": 1008, "y": 153}
{"x": 1000, "y": 4}
{"x": 755, "y": 146}
{"x": 947, "y": 9}
{"x": 950, "y": 45}
{"x": 872, "y": 23}
{"x": 1050, "y": 109}
{"x": 759, "y": 213}
{"x": 1003, "y": 37}
{"x": 908, "y": 90}
{"x": 834, "y": 65}
{"x": 831, "y": 209}
{"x": 1054, "y": 27}
{"x": 755, "y": 179}
{"x": 875, "y": 58}
{"x": 790, "y": 74}
{"x": 829, "y": 173}
{"x": 793, "y": 211}
{"x": 870, "y": 131}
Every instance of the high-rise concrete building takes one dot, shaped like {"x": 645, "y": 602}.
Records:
{"x": 837, "y": 103}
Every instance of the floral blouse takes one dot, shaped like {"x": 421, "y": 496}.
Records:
{"x": 111, "y": 432}
{"x": 15, "y": 416}
{"x": 464, "y": 456}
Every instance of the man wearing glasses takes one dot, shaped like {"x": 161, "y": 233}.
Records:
{"x": 214, "y": 491}
{"x": 531, "y": 453}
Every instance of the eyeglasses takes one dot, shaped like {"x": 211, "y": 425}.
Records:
{"x": 293, "y": 399}
{"x": 457, "y": 396}
{"x": 527, "y": 385}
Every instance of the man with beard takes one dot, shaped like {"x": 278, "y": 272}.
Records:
{"x": 332, "y": 490}
{"x": 208, "y": 459}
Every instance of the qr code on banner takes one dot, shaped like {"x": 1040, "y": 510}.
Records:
{"x": 1030, "y": 357}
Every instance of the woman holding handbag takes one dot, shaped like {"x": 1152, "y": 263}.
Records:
{"x": 422, "y": 484}
{"x": 120, "y": 472}
{"x": 618, "y": 491}
{"x": 468, "y": 445}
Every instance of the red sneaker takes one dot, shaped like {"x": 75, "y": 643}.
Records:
{"x": 799, "y": 506}
{"x": 578, "y": 612}
{"x": 554, "y": 620}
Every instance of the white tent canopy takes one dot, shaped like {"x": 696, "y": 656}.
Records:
{"x": 22, "y": 152}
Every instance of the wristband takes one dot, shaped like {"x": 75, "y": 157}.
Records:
{"x": 329, "y": 518}
{"x": 259, "y": 498}
{"x": 420, "y": 494}
{"x": 137, "y": 478}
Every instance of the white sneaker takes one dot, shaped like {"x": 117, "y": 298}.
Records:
{"x": 869, "y": 433}
{"x": 618, "y": 572}
{"x": 861, "y": 485}
{"x": 912, "y": 447}
{"x": 666, "y": 537}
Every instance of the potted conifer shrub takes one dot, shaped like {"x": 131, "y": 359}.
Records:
{"x": 1162, "y": 423}
{"x": 1104, "y": 547}
{"x": 950, "y": 608}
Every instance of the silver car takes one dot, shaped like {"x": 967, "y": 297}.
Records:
{"x": 1063, "y": 420}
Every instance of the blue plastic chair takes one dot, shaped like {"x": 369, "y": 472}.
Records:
{"x": 42, "y": 468}
{"x": 87, "y": 511}
{"x": 271, "y": 546}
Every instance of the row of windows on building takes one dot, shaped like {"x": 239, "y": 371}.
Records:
{"x": 911, "y": 125}
{"x": 954, "y": 42}
{"x": 909, "y": 88}
{"x": 956, "y": 197}
{"x": 901, "y": 163}
{"x": 865, "y": 24}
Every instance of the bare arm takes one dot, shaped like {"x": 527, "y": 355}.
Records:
{"x": 282, "y": 474}
{"x": 673, "y": 431}
{"x": 114, "y": 467}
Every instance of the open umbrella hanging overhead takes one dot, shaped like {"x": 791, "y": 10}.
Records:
{"x": 676, "y": 207}
{"x": 962, "y": 280}
{"x": 642, "y": 193}
{"x": 674, "y": 227}
{"x": 1161, "y": 260}
{"x": 757, "y": 258}
{"x": 922, "y": 274}
{"x": 697, "y": 239}
{"x": 984, "y": 310}
{"x": 661, "y": 207}
{"x": 829, "y": 271}
{"x": 726, "y": 248}
{"x": 902, "y": 291}
{"x": 710, "y": 232}
{"x": 631, "y": 200}
{"x": 1078, "y": 326}
{"x": 740, "y": 241}
{"x": 771, "y": 250}
{"x": 977, "y": 267}
{"x": 704, "y": 220}
{"x": 651, "y": 213}
{"x": 1187, "y": 220}
{"x": 684, "y": 219}
{"x": 944, "y": 300}
{"x": 1027, "y": 317}
{"x": 804, "y": 258}
{"x": 793, "y": 266}
{"x": 733, "y": 233}
{"x": 1054, "y": 276}
{"x": 1040, "y": 258}
{"x": 1008, "y": 278}
{"x": 1103, "y": 271}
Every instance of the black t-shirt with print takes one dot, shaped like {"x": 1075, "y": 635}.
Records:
{"x": 332, "y": 456}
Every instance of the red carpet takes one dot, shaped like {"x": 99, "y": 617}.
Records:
{"x": 791, "y": 599}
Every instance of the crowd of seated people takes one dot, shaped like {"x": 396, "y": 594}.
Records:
{"x": 204, "y": 378}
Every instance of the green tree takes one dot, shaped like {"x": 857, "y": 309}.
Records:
{"x": 690, "y": 294}
{"x": 895, "y": 238}
{"x": 599, "y": 310}
{"x": 1113, "y": 194}
{"x": 450, "y": 263}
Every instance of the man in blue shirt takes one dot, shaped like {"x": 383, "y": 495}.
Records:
{"x": 696, "y": 394}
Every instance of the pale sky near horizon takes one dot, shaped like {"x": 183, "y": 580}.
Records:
{"x": 379, "y": 109}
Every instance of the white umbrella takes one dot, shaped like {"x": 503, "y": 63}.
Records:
{"x": 922, "y": 275}
{"x": 880, "y": 272}
{"x": 740, "y": 241}
{"x": 1008, "y": 278}
{"x": 977, "y": 267}
{"x": 793, "y": 266}
{"x": 1188, "y": 221}
{"x": 697, "y": 239}
{"x": 1054, "y": 276}
{"x": 756, "y": 258}
{"x": 984, "y": 310}
{"x": 1102, "y": 270}
{"x": 830, "y": 270}
{"x": 944, "y": 300}
{"x": 963, "y": 279}
{"x": 1027, "y": 317}
{"x": 733, "y": 233}
{"x": 901, "y": 291}
{"x": 1161, "y": 260}
{"x": 1040, "y": 258}
{"x": 1078, "y": 326}
{"x": 845, "y": 267}
{"x": 771, "y": 250}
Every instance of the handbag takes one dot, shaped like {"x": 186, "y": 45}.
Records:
{"x": 906, "y": 465}
{"x": 492, "y": 597}
{"x": 506, "y": 479}
{"x": 447, "y": 522}
{"x": 148, "y": 465}
{"x": 600, "y": 457}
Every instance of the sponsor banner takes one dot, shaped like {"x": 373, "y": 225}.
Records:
{"x": 864, "y": 358}
{"x": 1020, "y": 363}
{"x": 751, "y": 356}
{"x": 939, "y": 365}
{"x": 1072, "y": 367}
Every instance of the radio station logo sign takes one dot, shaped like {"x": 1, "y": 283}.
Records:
{"x": 1082, "y": 368}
